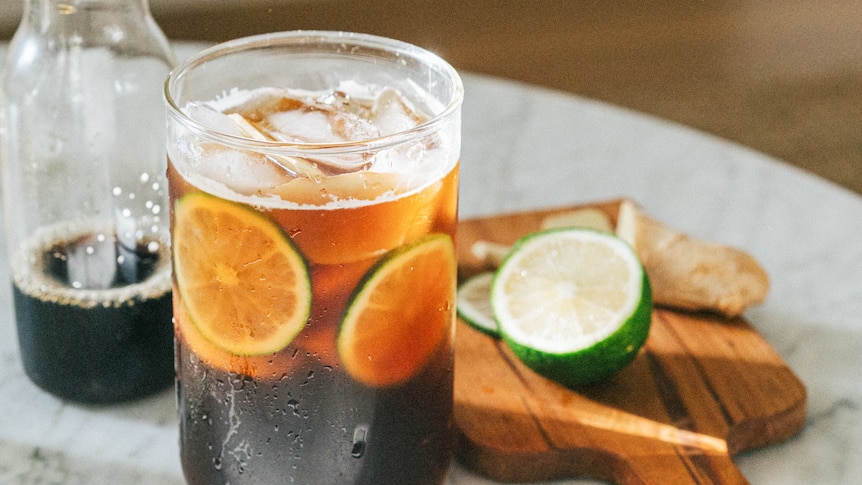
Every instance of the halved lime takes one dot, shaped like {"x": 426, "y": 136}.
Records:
{"x": 573, "y": 304}
{"x": 474, "y": 303}
{"x": 400, "y": 313}
{"x": 244, "y": 285}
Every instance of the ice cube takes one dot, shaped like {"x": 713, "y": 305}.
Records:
{"x": 256, "y": 105}
{"x": 362, "y": 186}
{"x": 319, "y": 124}
{"x": 246, "y": 173}
{"x": 392, "y": 113}
{"x": 211, "y": 118}
{"x": 344, "y": 102}
{"x": 306, "y": 117}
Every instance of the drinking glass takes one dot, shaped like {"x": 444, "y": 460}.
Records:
{"x": 313, "y": 181}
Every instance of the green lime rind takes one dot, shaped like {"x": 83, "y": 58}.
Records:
{"x": 575, "y": 364}
{"x": 474, "y": 303}
{"x": 382, "y": 267}
{"x": 599, "y": 362}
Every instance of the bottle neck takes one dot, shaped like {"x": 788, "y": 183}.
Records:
{"x": 75, "y": 7}
{"x": 42, "y": 14}
{"x": 123, "y": 26}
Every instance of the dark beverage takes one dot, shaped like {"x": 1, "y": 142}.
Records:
{"x": 107, "y": 344}
{"x": 305, "y": 413}
{"x": 242, "y": 429}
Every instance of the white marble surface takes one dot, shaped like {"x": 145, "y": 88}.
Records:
{"x": 529, "y": 148}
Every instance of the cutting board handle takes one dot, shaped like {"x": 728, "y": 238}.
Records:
{"x": 642, "y": 462}
{"x": 668, "y": 464}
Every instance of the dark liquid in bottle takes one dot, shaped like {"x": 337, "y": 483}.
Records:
{"x": 96, "y": 345}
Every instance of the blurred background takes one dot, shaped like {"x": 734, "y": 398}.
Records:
{"x": 781, "y": 76}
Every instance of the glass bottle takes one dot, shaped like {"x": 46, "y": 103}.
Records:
{"x": 85, "y": 198}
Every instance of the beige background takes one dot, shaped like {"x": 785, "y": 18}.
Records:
{"x": 781, "y": 76}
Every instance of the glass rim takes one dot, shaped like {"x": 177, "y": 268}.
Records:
{"x": 298, "y": 37}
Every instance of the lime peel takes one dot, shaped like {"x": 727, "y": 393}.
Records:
{"x": 474, "y": 303}
{"x": 573, "y": 304}
{"x": 400, "y": 313}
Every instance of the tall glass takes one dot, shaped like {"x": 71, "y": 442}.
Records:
{"x": 313, "y": 180}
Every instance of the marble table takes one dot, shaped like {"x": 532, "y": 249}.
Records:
{"x": 527, "y": 148}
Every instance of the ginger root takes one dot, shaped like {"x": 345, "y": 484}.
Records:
{"x": 684, "y": 272}
{"x": 688, "y": 273}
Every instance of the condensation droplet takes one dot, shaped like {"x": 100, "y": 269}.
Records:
{"x": 360, "y": 436}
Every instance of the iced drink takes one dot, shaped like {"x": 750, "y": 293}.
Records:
{"x": 313, "y": 230}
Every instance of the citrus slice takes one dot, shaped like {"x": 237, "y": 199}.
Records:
{"x": 474, "y": 303}
{"x": 400, "y": 313}
{"x": 256, "y": 366}
{"x": 573, "y": 304}
{"x": 243, "y": 283}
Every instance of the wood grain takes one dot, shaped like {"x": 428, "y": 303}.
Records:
{"x": 701, "y": 390}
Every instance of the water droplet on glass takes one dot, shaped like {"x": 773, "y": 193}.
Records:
{"x": 360, "y": 436}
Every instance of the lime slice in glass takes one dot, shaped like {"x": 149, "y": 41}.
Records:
{"x": 401, "y": 312}
{"x": 244, "y": 285}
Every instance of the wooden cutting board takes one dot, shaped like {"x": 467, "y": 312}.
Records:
{"x": 702, "y": 389}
